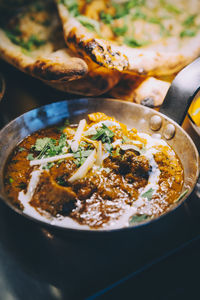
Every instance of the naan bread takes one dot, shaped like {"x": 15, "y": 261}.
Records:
{"x": 33, "y": 42}
{"x": 164, "y": 34}
{"x": 148, "y": 91}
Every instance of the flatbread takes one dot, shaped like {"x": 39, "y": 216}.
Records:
{"x": 148, "y": 91}
{"x": 164, "y": 34}
{"x": 33, "y": 42}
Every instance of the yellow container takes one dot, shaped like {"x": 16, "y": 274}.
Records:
{"x": 194, "y": 111}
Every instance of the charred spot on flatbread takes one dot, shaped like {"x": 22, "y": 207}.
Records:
{"x": 103, "y": 55}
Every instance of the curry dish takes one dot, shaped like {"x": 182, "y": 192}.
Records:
{"x": 97, "y": 174}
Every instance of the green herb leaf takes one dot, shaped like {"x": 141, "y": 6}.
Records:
{"x": 32, "y": 42}
{"x": 90, "y": 24}
{"x": 104, "y": 134}
{"x": 41, "y": 143}
{"x": 108, "y": 147}
{"x": 72, "y": 6}
{"x": 20, "y": 149}
{"x": 190, "y": 21}
{"x": 134, "y": 3}
{"x": 170, "y": 7}
{"x": 154, "y": 20}
{"x": 81, "y": 155}
{"x": 131, "y": 42}
{"x": 30, "y": 156}
{"x": 148, "y": 194}
{"x": 138, "y": 14}
{"x": 49, "y": 147}
{"x": 11, "y": 180}
{"x": 48, "y": 166}
{"x": 138, "y": 219}
{"x": 188, "y": 33}
{"x": 105, "y": 18}
{"x": 120, "y": 11}
{"x": 118, "y": 31}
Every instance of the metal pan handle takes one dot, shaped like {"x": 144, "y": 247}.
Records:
{"x": 181, "y": 92}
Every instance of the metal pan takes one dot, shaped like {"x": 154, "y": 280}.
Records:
{"x": 165, "y": 123}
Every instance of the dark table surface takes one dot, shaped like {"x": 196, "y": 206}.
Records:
{"x": 159, "y": 261}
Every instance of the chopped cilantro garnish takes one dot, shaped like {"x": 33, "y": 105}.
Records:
{"x": 72, "y": 6}
{"x": 120, "y": 11}
{"x": 134, "y": 3}
{"x": 106, "y": 18}
{"x": 104, "y": 134}
{"x": 108, "y": 147}
{"x": 148, "y": 194}
{"x": 17, "y": 39}
{"x": 170, "y": 7}
{"x": 138, "y": 219}
{"x": 33, "y": 41}
{"x": 188, "y": 32}
{"x": 131, "y": 42}
{"x": 138, "y": 14}
{"x": 190, "y": 21}
{"x": 30, "y": 156}
{"x": 11, "y": 180}
{"x": 154, "y": 20}
{"x": 20, "y": 149}
{"x": 81, "y": 155}
{"x": 49, "y": 147}
{"x": 90, "y": 24}
{"x": 41, "y": 143}
{"x": 120, "y": 30}
{"x": 48, "y": 166}
{"x": 163, "y": 31}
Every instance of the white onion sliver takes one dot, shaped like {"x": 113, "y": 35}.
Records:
{"x": 99, "y": 159}
{"x": 82, "y": 171}
{"x": 49, "y": 159}
{"x": 78, "y": 135}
